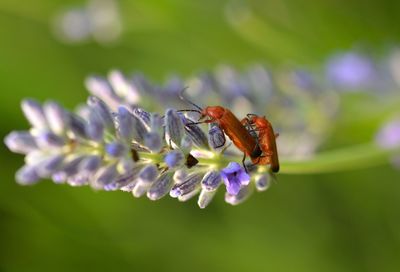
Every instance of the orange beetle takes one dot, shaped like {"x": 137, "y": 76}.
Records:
{"x": 265, "y": 138}
{"x": 232, "y": 127}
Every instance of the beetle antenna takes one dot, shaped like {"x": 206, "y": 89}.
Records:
{"x": 182, "y": 97}
{"x": 189, "y": 111}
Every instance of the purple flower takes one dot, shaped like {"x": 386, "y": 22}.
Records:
{"x": 303, "y": 79}
{"x": 350, "y": 70}
{"x": 235, "y": 177}
{"x": 389, "y": 134}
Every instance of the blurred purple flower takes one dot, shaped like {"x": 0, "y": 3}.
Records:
{"x": 350, "y": 70}
{"x": 97, "y": 19}
{"x": 389, "y": 135}
{"x": 235, "y": 177}
{"x": 303, "y": 79}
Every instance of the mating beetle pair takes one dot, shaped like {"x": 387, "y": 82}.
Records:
{"x": 253, "y": 135}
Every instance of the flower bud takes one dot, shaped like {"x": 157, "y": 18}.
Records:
{"x": 34, "y": 113}
{"x": 100, "y": 88}
{"x": 153, "y": 141}
{"x": 216, "y": 137}
{"x": 20, "y": 142}
{"x": 190, "y": 195}
{"x": 77, "y": 125}
{"x": 90, "y": 164}
{"x": 195, "y": 133}
{"x": 50, "y": 140}
{"x": 102, "y": 111}
{"x": 27, "y": 175}
{"x": 106, "y": 175}
{"x": 123, "y": 88}
{"x": 211, "y": 181}
{"x": 173, "y": 128}
{"x": 187, "y": 186}
{"x": 142, "y": 115}
{"x": 94, "y": 128}
{"x": 146, "y": 177}
{"x": 126, "y": 124}
{"x": 116, "y": 149}
{"x": 49, "y": 165}
{"x": 161, "y": 186}
{"x": 205, "y": 198}
{"x": 174, "y": 158}
{"x": 56, "y": 116}
{"x": 262, "y": 182}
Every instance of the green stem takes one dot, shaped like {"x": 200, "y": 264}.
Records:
{"x": 350, "y": 158}
{"x": 345, "y": 159}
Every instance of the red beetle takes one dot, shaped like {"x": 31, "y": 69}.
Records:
{"x": 265, "y": 138}
{"x": 232, "y": 127}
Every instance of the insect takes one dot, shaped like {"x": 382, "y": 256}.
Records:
{"x": 231, "y": 126}
{"x": 265, "y": 139}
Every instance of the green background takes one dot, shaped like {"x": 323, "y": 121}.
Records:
{"x": 329, "y": 222}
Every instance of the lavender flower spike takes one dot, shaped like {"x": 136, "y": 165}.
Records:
{"x": 111, "y": 145}
{"x": 235, "y": 178}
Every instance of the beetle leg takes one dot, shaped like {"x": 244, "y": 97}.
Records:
{"x": 194, "y": 123}
{"x": 244, "y": 165}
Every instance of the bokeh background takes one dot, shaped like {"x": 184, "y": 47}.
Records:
{"x": 347, "y": 221}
